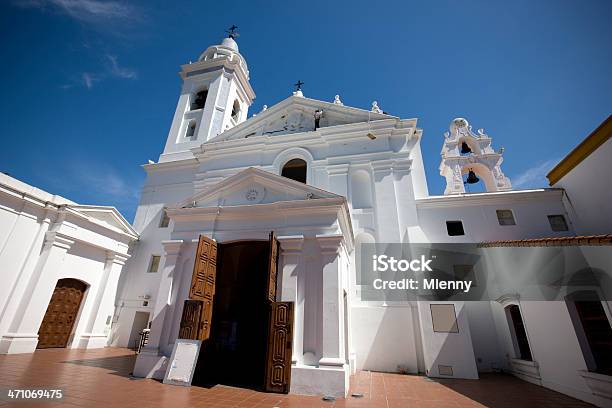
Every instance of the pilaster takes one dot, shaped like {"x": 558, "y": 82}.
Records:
{"x": 293, "y": 285}
{"x": 332, "y": 345}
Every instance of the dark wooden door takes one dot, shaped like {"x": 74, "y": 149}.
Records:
{"x": 61, "y": 314}
{"x": 190, "y": 321}
{"x": 203, "y": 282}
{"x": 280, "y": 337}
{"x": 272, "y": 268}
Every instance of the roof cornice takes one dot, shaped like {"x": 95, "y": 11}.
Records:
{"x": 598, "y": 137}
{"x": 475, "y": 199}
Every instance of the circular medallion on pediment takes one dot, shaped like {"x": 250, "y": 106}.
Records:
{"x": 254, "y": 194}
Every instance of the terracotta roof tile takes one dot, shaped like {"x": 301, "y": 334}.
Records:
{"x": 589, "y": 240}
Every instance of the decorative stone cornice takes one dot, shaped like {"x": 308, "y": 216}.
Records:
{"x": 508, "y": 298}
{"x": 172, "y": 247}
{"x": 53, "y": 238}
{"x": 338, "y": 169}
{"x": 330, "y": 244}
{"x": 117, "y": 258}
{"x": 291, "y": 244}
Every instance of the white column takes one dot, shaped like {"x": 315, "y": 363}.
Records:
{"x": 11, "y": 292}
{"x": 409, "y": 228}
{"x": 338, "y": 179}
{"x": 98, "y": 326}
{"x": 150, "y": 362}
{"x": 386, "y": 204}
{"x": 292, "y": 289}
{"x": 172, "y": 250}
{"x": 23, "y": 332}
{"x": 332, "y": 345}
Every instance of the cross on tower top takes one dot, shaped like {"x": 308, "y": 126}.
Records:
{"x": 298, "y": 85}
{"x": 231, "y": 32}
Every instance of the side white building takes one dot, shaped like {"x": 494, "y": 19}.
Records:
{"x": 325, "y": 178}
{"x": 60, "y": 264}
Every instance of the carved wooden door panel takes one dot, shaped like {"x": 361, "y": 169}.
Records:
{"x": 272, "y": 268}
{"x": 190, "y": 322}
{"x": 280, "y": 338}
{"x": 61, "y": 313}
{"x": 203, "y": 282}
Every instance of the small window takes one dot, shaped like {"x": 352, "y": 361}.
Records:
{"x": 557, "y": 222}
{"x": 519, "y": 333}
{"x": 295, "y": 169}
{"x": 199, "y": 100}
{"x": 235, "y": 110}
{"x": 505, "y": 217}
{"x": 154, "y": 264}
{"x": 443, "y": 318}
{"x": 191, "y": 128}
{"x": 454, "y": 228}
{"x": 164, "y": 220}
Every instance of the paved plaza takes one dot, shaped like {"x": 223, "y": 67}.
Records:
{"x": 101, "y": 378}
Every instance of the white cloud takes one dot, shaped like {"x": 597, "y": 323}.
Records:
{"x": 534, "y": 176}
{"x": 88, "y": 79}
{"x": 120, "y": 72}
{"x": 82, "y": 10}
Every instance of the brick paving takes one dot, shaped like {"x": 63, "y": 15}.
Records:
{"x": 100, "y": 378}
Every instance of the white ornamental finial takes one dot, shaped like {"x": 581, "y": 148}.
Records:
{"x": 375, "y": 107}
{"x": 263, "y": 108}
{"x": 337, "y": 100}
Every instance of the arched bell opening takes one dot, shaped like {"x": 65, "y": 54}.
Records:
{"x": 467, "y": 146}
{"x": 477, "y": 178}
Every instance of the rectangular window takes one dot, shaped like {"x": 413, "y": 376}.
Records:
{"x": 443, "y": 318}
{"x": 454, "y": 228}
{"x": 598, "y": 333}
{"x": 557, "y": 222}
{"x": 154, "y": 264}
{"x": 519, "y": 333}
{"x": 505, "y": 217}
{"x": 164, "y": 220}
{"x": 191, "y": 127}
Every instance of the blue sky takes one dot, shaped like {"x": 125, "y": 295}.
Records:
{"x": 89, "y": 87}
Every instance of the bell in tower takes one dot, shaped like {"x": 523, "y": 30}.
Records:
{"x": 465, "y": 151}
{"x": 215, "y": 97}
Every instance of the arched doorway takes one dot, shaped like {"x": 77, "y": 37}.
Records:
{"x": 295, "y": 169}
{"x": 56, "y": 327}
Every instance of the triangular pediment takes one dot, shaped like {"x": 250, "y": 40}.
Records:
{"x": 255, "y": 186}
{"x": 297, "y": 114}
{"x": 107, "y": 216}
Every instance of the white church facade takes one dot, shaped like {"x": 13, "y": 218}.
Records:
{"x": 247, "y": 237}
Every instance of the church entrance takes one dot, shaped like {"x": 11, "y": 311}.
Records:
{"x": 246, "y": 334}
{"x": 56, "y": 327}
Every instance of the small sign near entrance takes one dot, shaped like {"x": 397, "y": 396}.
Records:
{"x": 182, "y": 363}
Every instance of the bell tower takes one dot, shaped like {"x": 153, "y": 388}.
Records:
{"x": 465, "y": 152}
{"x": 215, "y": 96}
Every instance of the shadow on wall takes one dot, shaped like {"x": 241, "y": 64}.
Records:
{"x": 393, "y": 341}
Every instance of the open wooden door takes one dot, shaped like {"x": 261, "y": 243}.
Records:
{"x": 272, "y": 268}
{"x": 190, "y": 321}
{"x": 280, "y": 330}
{"x": 201, "y": 294}
{"x": 280, "y": 339}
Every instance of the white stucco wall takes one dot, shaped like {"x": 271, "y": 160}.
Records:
{"x": 589, "y": 192}
{"x": 46, "y": 238}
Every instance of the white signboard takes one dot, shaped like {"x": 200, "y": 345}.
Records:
{"x": 183, "y": 362}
